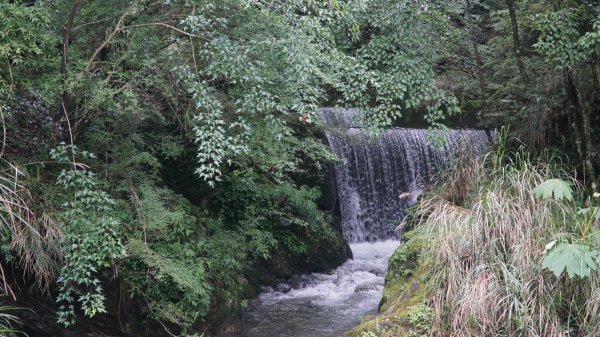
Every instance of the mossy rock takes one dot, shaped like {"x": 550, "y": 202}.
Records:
{"x": 401, "y": 311}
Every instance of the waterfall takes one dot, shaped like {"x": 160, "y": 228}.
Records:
{"x": 378, "y": 177}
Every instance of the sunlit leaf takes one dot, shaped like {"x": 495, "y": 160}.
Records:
{"x": 554, "y": 188}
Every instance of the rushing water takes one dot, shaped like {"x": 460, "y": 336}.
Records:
{"x": 380, "y": 176}
{"x": 376, "y": 180}
{"x": 323, "y": 305}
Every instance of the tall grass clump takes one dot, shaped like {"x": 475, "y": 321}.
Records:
{"x": 485, "y": 254}
{"x": 29, "y": 240}
{"x": 8, "y": 321}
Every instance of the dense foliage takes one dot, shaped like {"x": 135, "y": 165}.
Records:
{"x": 166, "y": 148}
{"x": 197, "y": 158}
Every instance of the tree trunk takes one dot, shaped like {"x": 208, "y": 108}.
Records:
{"x": 580, "y": 125}
{"x": 480, "y": 76}
{"x": 66, "y": 97}
{"x": 596, "y": 69}
{"x": 572, "y": 105}
{"x": 516, "y": 40}
{"x": 590, "y": 153}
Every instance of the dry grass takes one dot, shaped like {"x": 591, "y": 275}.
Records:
{"x": 34, "y": 241}
{"x": 466, "y": 172}
{"x": 8, "y": 321}
{"x": 485, "y": 258}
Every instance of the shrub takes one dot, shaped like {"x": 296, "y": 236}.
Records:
{"x": 420, "y": 317}
{"x": 91, "y": 237}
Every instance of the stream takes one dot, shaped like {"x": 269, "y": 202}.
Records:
{"x": 322, "y": 305}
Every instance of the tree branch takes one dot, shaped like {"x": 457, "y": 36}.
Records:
{"x": 168, "y": 26}
{"x": 110, "y": 37}
{"x": 90, "y": 23}
{"x": 66, "y": 97}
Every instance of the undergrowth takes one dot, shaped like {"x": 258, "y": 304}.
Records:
{"x": 485, "y": 252}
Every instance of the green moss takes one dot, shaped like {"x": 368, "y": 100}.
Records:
{"x": 401, "y": 311}
{"x": 420, "y": 316}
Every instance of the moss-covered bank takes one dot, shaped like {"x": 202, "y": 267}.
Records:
{"x": 401, "y": 311}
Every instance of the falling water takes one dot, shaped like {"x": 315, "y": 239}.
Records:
{"x": 376, "y": 179}
{"x": 379, "y": 176}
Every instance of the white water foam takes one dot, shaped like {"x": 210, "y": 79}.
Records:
{"x": 324, "y": 305}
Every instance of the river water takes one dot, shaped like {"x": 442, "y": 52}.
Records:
{"x": 322, "y": 305}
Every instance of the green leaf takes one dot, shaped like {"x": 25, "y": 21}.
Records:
{"x": 554, "y": 188}
{"x": 576, "y": 258}
{"x": 594, "y": 236}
